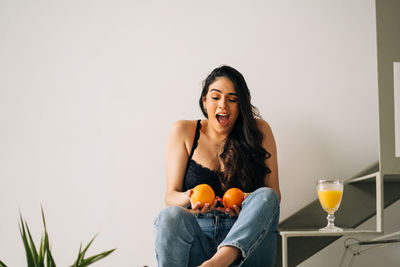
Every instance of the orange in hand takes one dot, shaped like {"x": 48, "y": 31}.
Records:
{"x": 203, "y": 193}
{"x": 233, "y": 196}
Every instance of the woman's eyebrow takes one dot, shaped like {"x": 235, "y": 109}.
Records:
{"x": 219, "y": 91}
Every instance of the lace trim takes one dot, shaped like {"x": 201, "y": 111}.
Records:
{"x": 204, "y": 168}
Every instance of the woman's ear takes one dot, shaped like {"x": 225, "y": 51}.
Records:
{"x": 204, "y": 104}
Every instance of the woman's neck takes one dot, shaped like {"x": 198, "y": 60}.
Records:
{"x": 214, "y": 135}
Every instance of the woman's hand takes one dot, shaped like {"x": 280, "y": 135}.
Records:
{"x": 236, "y": 209}
{"x": 196, "y": 206}
{"x": 231, "y": 212}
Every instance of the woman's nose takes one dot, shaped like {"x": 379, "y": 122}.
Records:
{"x": 222, "y": 103}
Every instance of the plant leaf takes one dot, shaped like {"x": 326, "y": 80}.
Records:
{"x": 49, "y": 256}
{"x": 88, "y": 245}
{"x": 81, "y": 261}
{"x": 32, "y": 247}
{"x": 81, "y": 254}
{"x": 43, "y": 257}
{"x": 77, "y": 261}
{"x": 95, "y": 258}
{"x": 29, "y": 256}
{"x": 2, "y": 264}
{"x": 41, "y": 254}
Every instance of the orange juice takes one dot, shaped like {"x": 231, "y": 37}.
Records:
{"x": 330, "y": 199}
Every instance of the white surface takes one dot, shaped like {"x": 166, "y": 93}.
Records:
{"x": 89, "y": 89}
{"x": 368, "y": 177}
{"x": 320, "y": 233}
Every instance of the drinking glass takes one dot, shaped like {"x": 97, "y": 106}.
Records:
{"x": 330, "y": 195}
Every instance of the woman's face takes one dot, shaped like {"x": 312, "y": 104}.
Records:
{"x": 222, "y": 105}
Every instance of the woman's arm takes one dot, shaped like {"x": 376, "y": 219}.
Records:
{"x": 176, "y": 161}
{"x": 271, "y": 179}
{"x": 179, "y": 143}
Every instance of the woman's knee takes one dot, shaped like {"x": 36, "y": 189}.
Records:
{"x": 266, "y": 195}
{"x": 169, "y": 216}
{"x": 173, "y": 222}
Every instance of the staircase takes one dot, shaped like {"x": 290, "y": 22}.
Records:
{"x": 359, "y": 204}
{"x": 370, "y": 192}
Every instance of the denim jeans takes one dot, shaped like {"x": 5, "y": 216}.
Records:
{"x": 185, "y": 240}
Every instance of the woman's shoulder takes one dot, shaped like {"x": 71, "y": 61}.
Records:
{"x": 268, "y": 136}
{"x": 183, "y": 129}
{"x": 184, "y": 125}
{"x": 263, "y": 126}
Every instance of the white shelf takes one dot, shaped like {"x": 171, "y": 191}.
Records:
{"x": 300, "y": 233}
{"x": 373, "y": 177}
{"x": 370, "y": 177}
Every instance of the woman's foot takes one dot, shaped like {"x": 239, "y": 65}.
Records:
{"x": 223, "y": 258}
{"x": 208, "y": 264}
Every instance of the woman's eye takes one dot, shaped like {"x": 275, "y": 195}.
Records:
{"x": 215, "y": 98}
{"x": 233, "y": 100}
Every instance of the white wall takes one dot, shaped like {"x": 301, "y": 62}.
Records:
{"x": 89, "y": 89}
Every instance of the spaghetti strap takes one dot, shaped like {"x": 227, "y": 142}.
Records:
{"x": 196, "y": 138}
{"x": 196, "y": 174}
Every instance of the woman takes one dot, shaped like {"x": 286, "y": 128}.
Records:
{"x": 232, "y": 147}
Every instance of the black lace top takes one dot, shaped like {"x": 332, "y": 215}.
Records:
{"x": 197, "y": 174}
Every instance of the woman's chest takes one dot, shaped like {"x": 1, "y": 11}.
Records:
{"x": 207, "y": 154}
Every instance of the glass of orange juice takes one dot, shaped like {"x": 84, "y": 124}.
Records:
{"x": 330, "y": 195}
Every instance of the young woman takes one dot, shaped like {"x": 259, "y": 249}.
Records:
{"x": 232, "y": 147}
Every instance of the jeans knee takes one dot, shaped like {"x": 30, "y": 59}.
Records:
{"x": 171, "y": 223}
{"x": 169, "y": 217}
{"x": 267, "y": 195}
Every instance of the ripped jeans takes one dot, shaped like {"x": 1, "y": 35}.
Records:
{"x": 185, "y": 240}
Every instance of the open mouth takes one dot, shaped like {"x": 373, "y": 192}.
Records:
{"x": 222, "y": 118}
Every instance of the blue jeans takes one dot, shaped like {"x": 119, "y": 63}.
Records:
{"x": 183, "y": 239}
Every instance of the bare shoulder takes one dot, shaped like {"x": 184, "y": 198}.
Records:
{"x": 183, "y": 127}
{"x": 264, "y": 127}
{"x": 183, "y": 131}
{"x": 268, "y": 136}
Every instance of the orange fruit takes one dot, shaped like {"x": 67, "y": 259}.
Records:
{"x": 233, "y": 196}
{"x": 203, "y": 193}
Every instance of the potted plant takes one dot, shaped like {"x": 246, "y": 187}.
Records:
{"x": 41, "y": 256}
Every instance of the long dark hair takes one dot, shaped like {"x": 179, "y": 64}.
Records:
{"x": 243, "y": 156}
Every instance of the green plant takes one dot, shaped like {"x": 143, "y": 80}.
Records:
{"x": 43, "y": 256}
